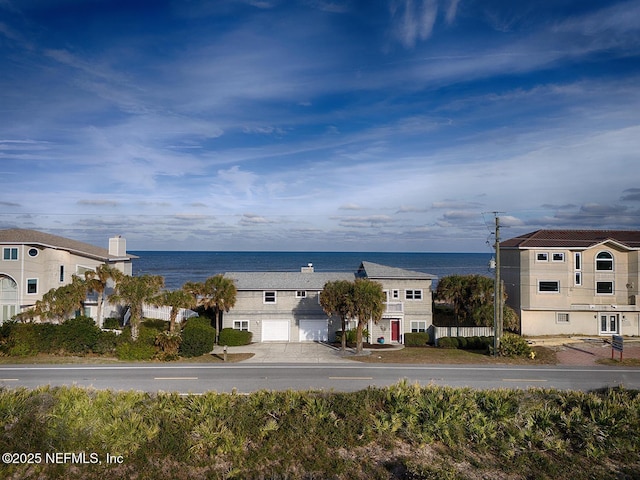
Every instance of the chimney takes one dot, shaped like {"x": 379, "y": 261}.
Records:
{"x": 307, "y": 269}
{"x": 117, "y": 246}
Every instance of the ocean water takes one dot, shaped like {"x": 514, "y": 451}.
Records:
{"x": 180, "y": 267}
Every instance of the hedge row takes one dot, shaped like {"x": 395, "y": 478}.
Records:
{"x": 81, "y": 336}
{"x": 466, "y": 343}
{"x": 511, "y": 345}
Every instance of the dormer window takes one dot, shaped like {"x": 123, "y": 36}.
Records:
{"x": 604, "y": 262}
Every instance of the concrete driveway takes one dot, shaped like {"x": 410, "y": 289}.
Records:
{"x": 275, "y": 352}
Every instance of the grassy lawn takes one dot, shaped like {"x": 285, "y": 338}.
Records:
{"x": 544, "y": 356}
{"x": 48, "y": 359}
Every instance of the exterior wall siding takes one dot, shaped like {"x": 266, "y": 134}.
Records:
{"x": 250, "y": 307}
{"x": 576, "y": 308}
{"x": 50, "y": 268}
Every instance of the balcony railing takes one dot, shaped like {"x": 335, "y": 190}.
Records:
{"x": 394, "y": 307}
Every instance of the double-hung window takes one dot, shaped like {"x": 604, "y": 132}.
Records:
{"x": 269, "y": 297}
{"x": 413, "y": 294}
{"x": 418, "y": 326}
{"x": 10, "y": 253}
{"x": 241, "y": 325}
{"x": 32, "y": 285}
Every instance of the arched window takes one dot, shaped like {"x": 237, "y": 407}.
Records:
{"x": 604, "y": 262}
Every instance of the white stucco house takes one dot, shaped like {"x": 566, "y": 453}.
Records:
{"x": 34, "y": 262}
{"x": 285, "y": 306}
{"x": 563, "y": 282}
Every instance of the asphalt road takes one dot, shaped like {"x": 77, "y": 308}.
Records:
{"x": 197, "y": 379}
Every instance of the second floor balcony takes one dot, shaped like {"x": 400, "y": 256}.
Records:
{"x": 394, "y": 307}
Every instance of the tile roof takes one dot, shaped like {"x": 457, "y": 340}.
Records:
{"x": 573, "y": 238}
{"x": 23, "y": 236}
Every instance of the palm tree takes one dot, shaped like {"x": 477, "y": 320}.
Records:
{"x": 218, "y": 294}
{"x": 336, "y": 298}
{"x": 451, "y": 290}
{"x": 98, "y": 281}
{"x": 60, "y": 303}
{"x": 368, "y": 304}
{"x": 176, "y": 299}
{"x": 135, "y": 292}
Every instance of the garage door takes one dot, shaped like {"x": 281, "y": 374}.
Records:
{"x": 275, "y": 330}
{"x": 314, "y": 331}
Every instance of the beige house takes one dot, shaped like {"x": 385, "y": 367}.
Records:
{"x": 33, "y": 262}
{"x": 563, "y": 282}
{"x": 285, "y": 306}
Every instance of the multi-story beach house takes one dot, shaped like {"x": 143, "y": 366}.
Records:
{"x": 285, "y": 306}
{"x": 574, "y": 281}
{"x": 33, "y": 262}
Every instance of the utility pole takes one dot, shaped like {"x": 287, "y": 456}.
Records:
{"x": 497, "y": 292}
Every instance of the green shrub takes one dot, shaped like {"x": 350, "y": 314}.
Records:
{"x": 416, "y": 339}
{"x": 351, "y": 335}
{"x": 107, "y": 343}
{"x": 234, "y": 338}
{"x": 156, "y": 324}
{"x": 22, "y": 341}
{"x": 462, "y": 343}
{"x": 197, "y": 339}
{"x": 448, "y": 342}
{"x": 32, "y": 338}
{"x": 512, "y": 345}
{"x": 168, "y": 344}
{"x": 79, "y": 335}
{"x": 135, "y": 351}
{"x": 112, "y": 323}
{"x": 147, "y": 334}
{"x": 206, "y": 321}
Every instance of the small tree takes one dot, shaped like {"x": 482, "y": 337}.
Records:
{"x": 472, "y": 297}
{"x": 61, "y": 303}
{"x": 368, "y": 304}
{"x": 98, "y": 281}
{"x": 176, "y": 299}
{"x": 336, "y": 298}
{"x": 135, "y": 292}
{"x": 217, "y": 293}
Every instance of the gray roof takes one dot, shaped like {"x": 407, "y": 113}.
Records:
{"x": 317, "y": 280}
{"x": 375, "y": 270}
{"x": 22, "y": 236}
{"x": 286, "y": 280}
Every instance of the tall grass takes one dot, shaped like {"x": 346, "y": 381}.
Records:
{"x": 404, "y": 431}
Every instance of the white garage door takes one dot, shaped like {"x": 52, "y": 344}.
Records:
{"x": 314, "y": 331}
{"x": 275, "y": 330}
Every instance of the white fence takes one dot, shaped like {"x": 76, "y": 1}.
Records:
{"x": 164, "y": 313}
{"x": 439, "y": 332}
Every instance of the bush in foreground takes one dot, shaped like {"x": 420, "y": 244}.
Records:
{"x": 403, "y": 431}
{"x": 234, "y": 338}
{"x": 198, "y": 338}
{"x": 416, "y": 339}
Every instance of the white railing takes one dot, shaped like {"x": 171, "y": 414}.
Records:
{"x": 394, "y": 307}
{"x": 440, "y": 332}
{"x": 164, "y": 313}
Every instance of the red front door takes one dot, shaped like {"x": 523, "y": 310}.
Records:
{"x": 395, "y": 330}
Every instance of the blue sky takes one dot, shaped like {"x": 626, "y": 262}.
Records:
{"x": 318, "y": 124}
